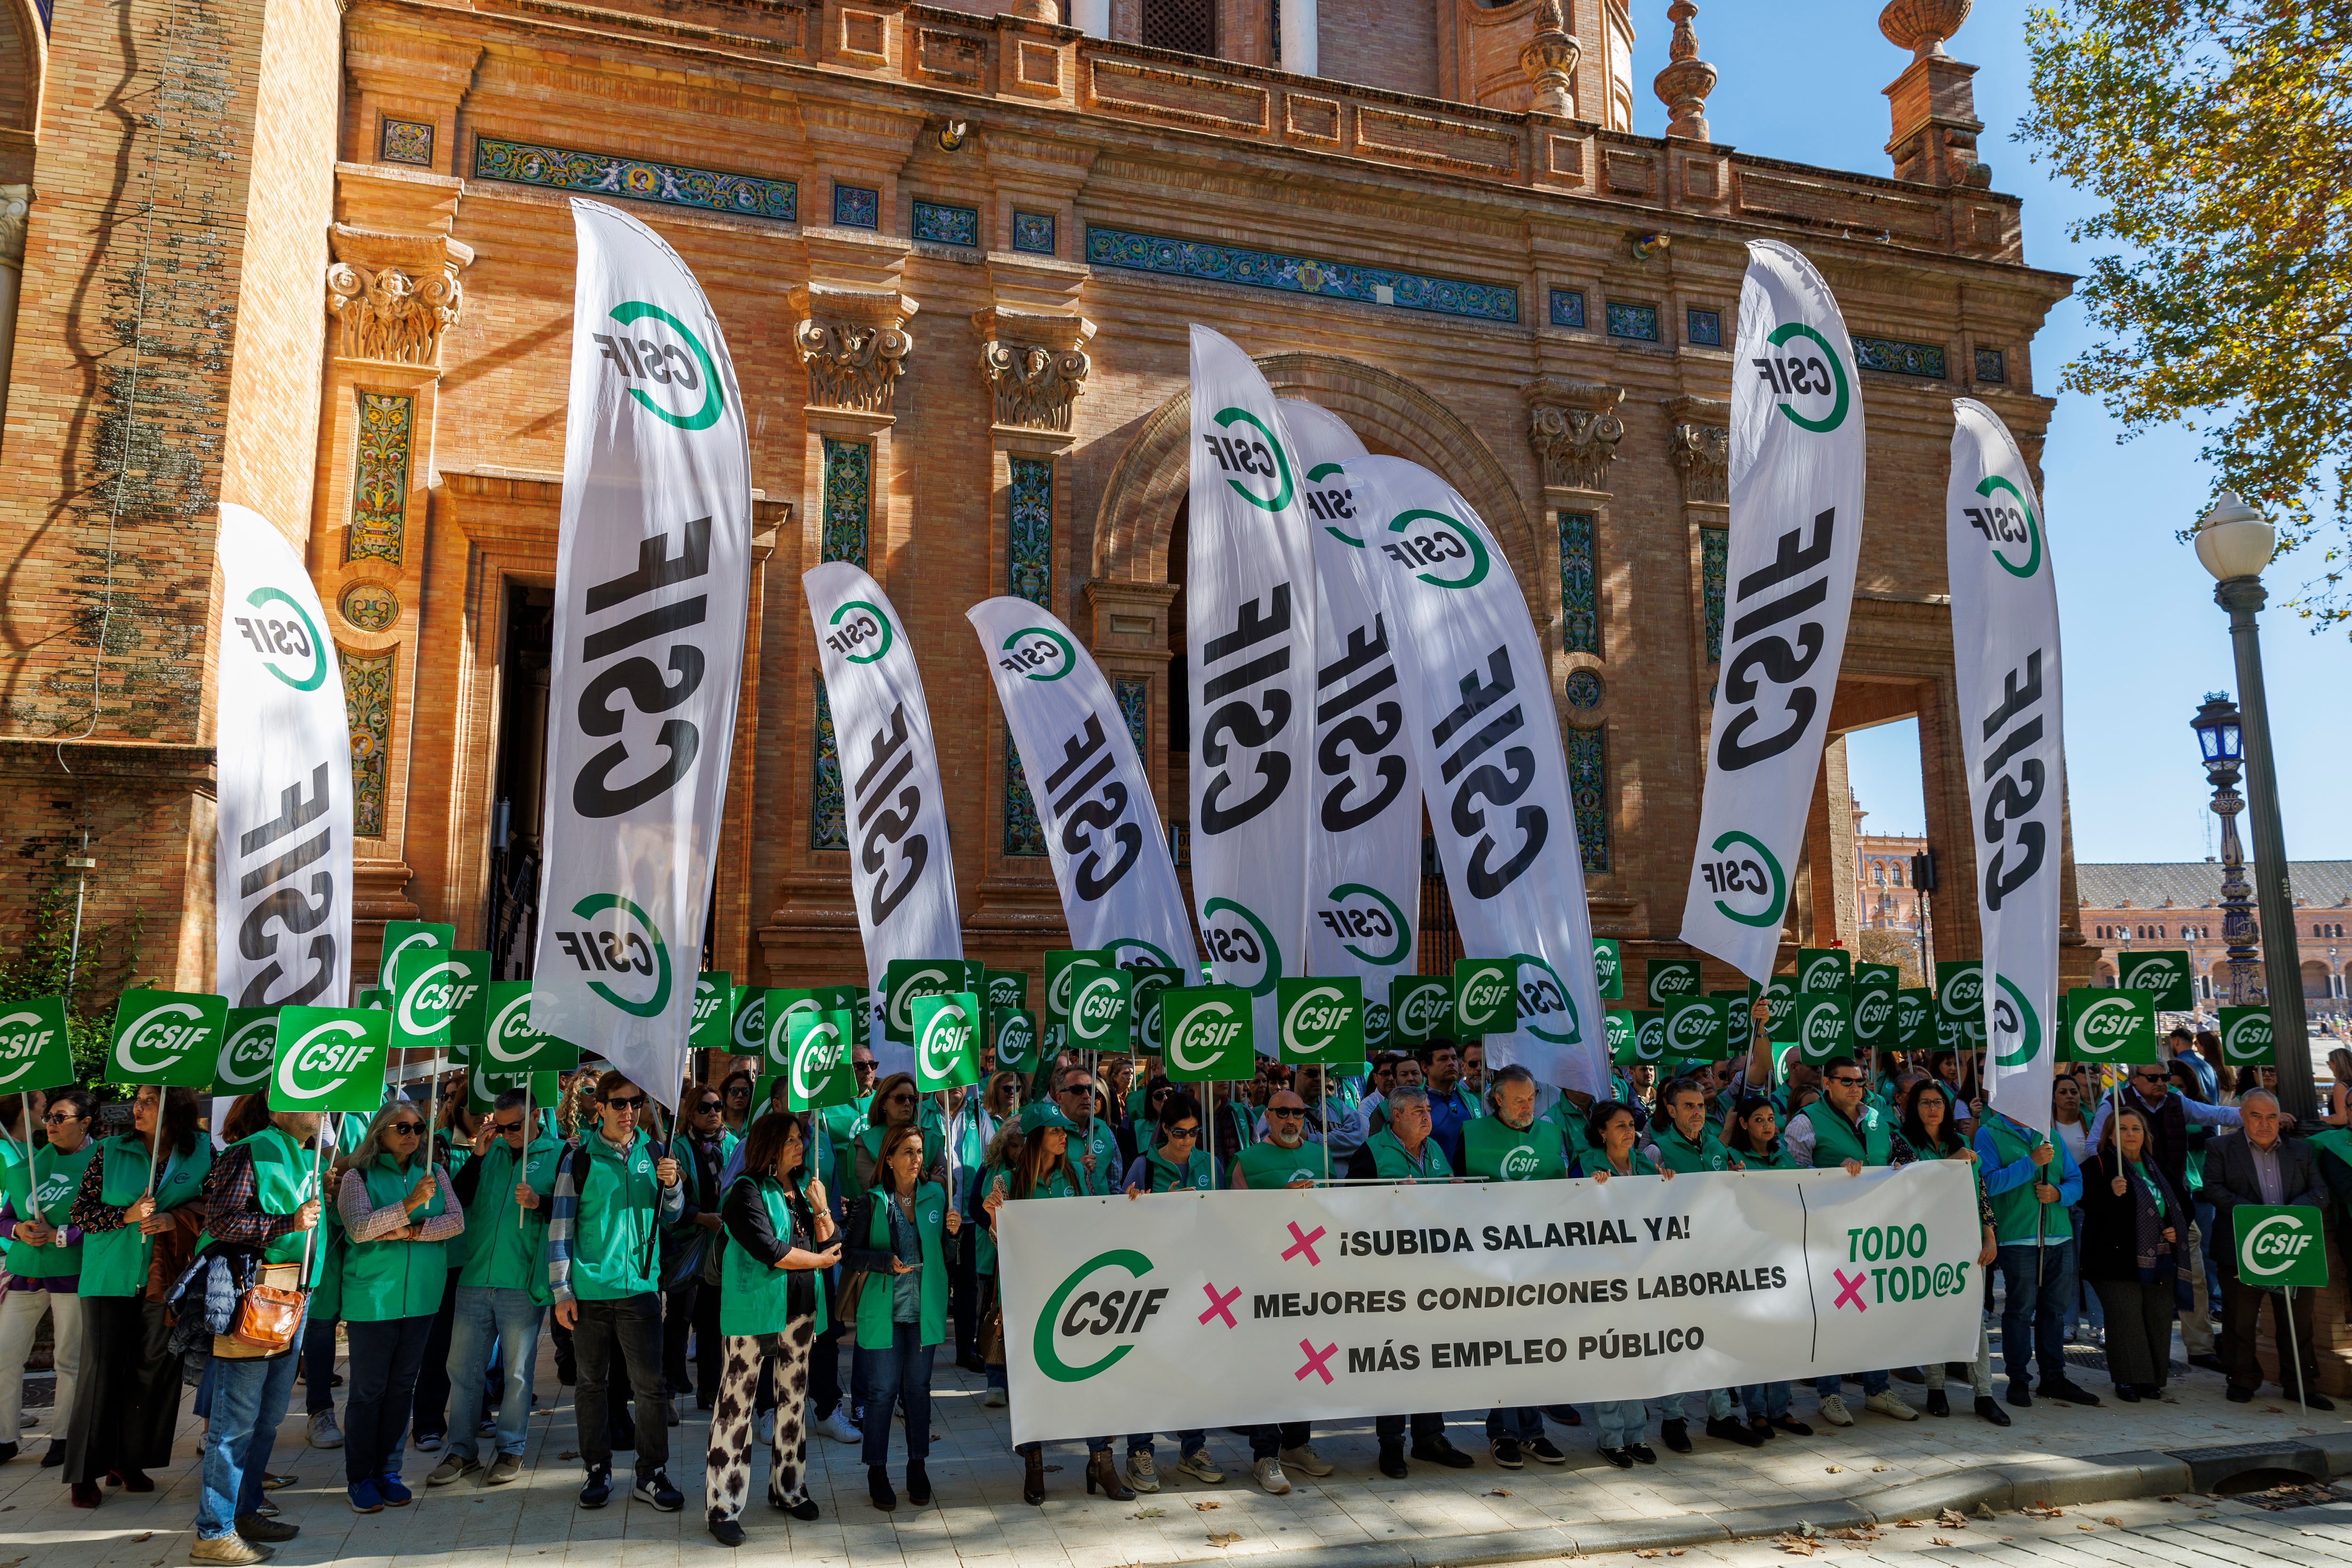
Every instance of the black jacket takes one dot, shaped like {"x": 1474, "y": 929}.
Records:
{"x": 2167, "y": 1135}
{"x": 2111, "y": 1224}
{"x": 2230, "y": 1181}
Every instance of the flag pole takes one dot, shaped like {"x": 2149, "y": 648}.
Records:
{"x": 32, "y": 1180}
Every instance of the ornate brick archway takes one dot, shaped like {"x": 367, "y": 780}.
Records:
{"x": 1138, "y": 505}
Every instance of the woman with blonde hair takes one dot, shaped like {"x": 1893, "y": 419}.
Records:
{"x": 398, "y": 1210}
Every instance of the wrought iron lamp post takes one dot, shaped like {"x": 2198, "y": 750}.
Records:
{"x": 2220, "y": 737}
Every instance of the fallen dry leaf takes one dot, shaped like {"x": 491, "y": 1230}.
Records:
{"x": 1645, "y": 1551}
{"x": 1984, "y": 1510}
{"x": 1875, "y": 1468}
{"x": 2170, "y": 1497}
{"x": 1222, "y": 1539}
{"x": 569, "y": 1454}
{"x": 143, "y": 1535}
{"x": 1678, "y": 1550}
{"x": 1939, "y": 1540}
{"x": 1906, "y": 1525}
{"x": 1952, "y": 1519}
{"x": 1208, "y": 1505}
{"x": 1834, "y": 1470}
{"x": 1149, "y": 1514}
{"x": 2089, "y": 1527}
{"x": 1498, "y": 1491}
{"x": 2111, "y": 1519}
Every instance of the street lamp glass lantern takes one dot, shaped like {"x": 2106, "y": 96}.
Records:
{"x": 2234, "y": 540}
{"x": 2219, "y": 734}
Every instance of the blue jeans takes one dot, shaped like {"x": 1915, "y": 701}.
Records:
{"x": 2033, "y": 1322}
{"x": 1190, "y": 1442}
{"x": 1620, "y": 1421}
{"x": 385, "y": 1357}
{"x": 319, "y": 1366}
{"x": 901, "y": 1375}
{"x": 1767, "y": 1400}
{"x": 1872, "y": 1383}
{"x": 2205, "y": 1220}
{"x": 1520, "y": 1423}
{"x": 485, "y": 1316}
{"x": 248, "y": 1402}
{"x": 1677, "y": 1406}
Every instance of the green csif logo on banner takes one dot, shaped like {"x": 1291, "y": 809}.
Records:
{"x": 249, "y": 1045}
{"x": 274, "y": 638}
{"x": 1420, "y": 1007}
{"x": 2007, "y": 523}
{"x": 1038, "y": 653}
{"x": 630, "y": 950}
{"x": 1209, "y": 1035}
{"x": 904, "y": 980}
{"x": 1808, "y": 373}
{"x": 655, "y": 348}
{"x": 2164, "y": 975}
{"x": 1099, "y": 1009}
{"x": 1609, "y": 968}
{"x": 2246, "y": 1039}
{"x": 1099, "y": 1322}
{"x": 169, "y": 1037}
{"x": 1322, "y": 1019}
{"x": 1014, "y": 1031}
{"x": 1485, "y": 1002}
{"x": 1746, "y": 881}
{"x": 817, "y": 1046}
{"x": 2281, "y": 1246}
{"x": 860, "y": 632}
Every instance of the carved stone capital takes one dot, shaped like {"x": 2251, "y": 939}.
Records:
{"x": 1574, "y": 429}
{"x": 392, "y": 295}
{"x": 1035, "y": 364}
{"x": 15, "y": 205}
{"x": 854, "y": 343}
{"x": 1698, "y": 444}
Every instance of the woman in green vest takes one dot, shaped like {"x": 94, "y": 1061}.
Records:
{"x": 1933, "y": 1130}
{"x": 1754, "y": 1139}
{"x": 1175, "y": 1159}
{"x": 996, "y": 1168}
{"x": 895, "y": 1104}
{"x": 399, "y": 1211}
{"x": 1610, "y": 1133}
{"x": 44, "y": 1258}
{"x": 779, "y": 1238}
{"x": 128, "y": 1401}
{"x": 896, "y": 1239}
{"x": 1041, "y": 1169}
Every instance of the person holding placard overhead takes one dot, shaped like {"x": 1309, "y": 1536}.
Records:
{"x": 140, "y": 1185}
{"x": 1842, "y": 1129}
{"x": 1509, "y": 1145}
{"x": 44, "y": 1265}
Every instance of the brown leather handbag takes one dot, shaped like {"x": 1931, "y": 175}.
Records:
{"x": 269, "y": 1315}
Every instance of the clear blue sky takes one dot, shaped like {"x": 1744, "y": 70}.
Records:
{"x": 2144, "y": 640}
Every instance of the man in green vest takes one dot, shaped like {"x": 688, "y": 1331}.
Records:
{"x": 2033, "y": 1226}
{"x": 1511, "y": 1144}
{"x": 1094, "y": 1147}
{"x": 44, "y": 1259}
{"x": 1283, "y": 1161}
{"x": 1682, "y": 1142}
{"x": 613, "y": 1195}
{"x": 1843, "y": 1128}
{"x": 507, "y": 1194}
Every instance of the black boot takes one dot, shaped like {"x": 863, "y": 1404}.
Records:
{"x": 1937, "y": 1404}
{"x": 878, "y": 1486}
{"x": 919, "y": 1484}
{"x": 1032, "y": 1477}
{"x": 1103, "y": 1472}
{"x": 1392, "y": 1459}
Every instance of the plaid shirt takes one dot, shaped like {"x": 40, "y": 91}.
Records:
{"x": 233, "y": 1213}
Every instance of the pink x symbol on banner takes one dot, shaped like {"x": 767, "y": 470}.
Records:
{"x": 1315, "y": 1360}
{"x": 1221, "y": 1306}
{"x": 1850, "y": 1290}
{"x": 1303, "y": 1243}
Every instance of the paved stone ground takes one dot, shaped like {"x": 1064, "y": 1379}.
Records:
{"x": 978, "y": 1519}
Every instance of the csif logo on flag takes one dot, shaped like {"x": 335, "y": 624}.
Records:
{"x": 1247, "y": 447}
{"x": 1545, "y": 1008}
{"x": 1099, "y": 1009}
{"x": 1746, "y": 881}
{"x": 860, "y": 632}
{"x": 1695, "y": 1027}
{"x": 630, "y": 951}
{"x": 2246, "y": 1039}
{"x": 1826, "y": 1022}
{"x": 2017, "y": 1032}
{"x": 1082, "y": 1333}
{"x": 1671, "y": 979}
{"x": 1321, "y": 1020}
{"x": 1821, "y": 968}
{"x": 1440, "y": 551}
{"x": 34, "y": 1053}
{"x": 2281, "y": 1245}
{"x": 2008, "y": 525}
{"x": 1038, "y": 653}
{"x": 1209, "y": 1033}
{"x": 663, "y": 365}
{"x": 1241, "y": 947}
{"x": 2109, "y": 1026}
{"x": 1807, "y": 377}
{"x": 816, "y": 1065}
{"x": 1367, "y": 922}
{"x": 946, "y": 1046}
{"x": 1015, "y": 1031}
{"x": 1484, "y": 1001}
{"x": 1650, "y": 1038}
{"x": 291, "y": 649}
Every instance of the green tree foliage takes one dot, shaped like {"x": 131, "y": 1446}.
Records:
{"x": 2218, "y": 135}
{"x": 43, "y": 962}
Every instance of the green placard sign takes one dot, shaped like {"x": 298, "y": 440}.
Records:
{"x": 249, "y": 1045}
{"x": 1061, "y": 966}
{"x": 510, "y": 1045}
{"x": 1824, "y": 1026}
{"x": 1875, "y": 985}
{"x": 852, "y": 1000}
{"x": 749, "y": 1034}
{"x": 333, "y": 1058}
{"x": 411, "y": 936}
{"x": 779, "y": 1006}
{"x": 2281, "y": 1246}
{"x": 168, "y": 1037}
{"x": 1209, "y": 1034}
{"x": 1779, "y": 995}
{"x": 1624, "y": 1026}
{"x": 1695, "y": 1028}
{"x": 1649, "y": 1036}
{"x": 714, "y": 1010}
{"x": 2246, "y": 1039}
{"x": 1014, "y": 1032}
{"x": 1100, "y": 1009}
{"x": 1006, "y": 987}
{"x": 1421, "y": 1007}
{"x": 1143, "y": 1005}
{"x": 1486, "y": 1002}
{"x": 1960, "y": 998}
{"x": 2106, "y": 1025}
{"x": 1914, "y": 1020}
{"x": 1609, "y": 968}
{"x": 34, "y": 1052}
{"x": 816, "y": 1062}
{"x": 907, "y": 980}
{"x": 483, "y": 1088}
{"x": 1739, "y": 1021}
{"x": 1671, "y": 980}
{"x": 426, "y": 983}
{"x": 1822, "y": 969}
{"x": 2163, "y": 973}
{"x": 1322, "y": 1019}
{"x": 947, "y": 1040}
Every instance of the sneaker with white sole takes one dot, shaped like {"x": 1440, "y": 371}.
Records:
{"x": 232, "y": 1548}
{"x": 452, "y": 1467}
{"x": 1305, "y": 1461}
{"x": 763, "y": 1428}
{"x": 993, "y": 1399}
{"x": 838, "y": 1427}
{"x": 1834, "y": 1412}
{"x": 1886, "y": 1402}
{"x": 1201, "y": 1467}
{"x": 506, "y": 1467}
{"x": 324, "y": 1433}
{"x": 1141, "y": 1473}
{"x": 1270, "y": 1475}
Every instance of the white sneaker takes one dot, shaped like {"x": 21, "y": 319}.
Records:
{"x": 763, "y": 1428}
{"x": 324, "y": 1433}
{"x": 837, "y": 1427}
{"x": 1834, "y": 1412}
{"x": 1886, "y": 1402}
{"x": 1305, "y": 1461}
{"x": 1141, "y": 1473}
{"x": 994, "y": 1399}
{"x": 1201, "y": 1467}
{"x": 1270, "y": 1477}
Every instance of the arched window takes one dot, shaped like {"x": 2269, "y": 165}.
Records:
{"x": 1878, "y": 872}
{"x": 1898, "y": 874}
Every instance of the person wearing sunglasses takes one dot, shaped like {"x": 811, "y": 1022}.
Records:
{"x": 614, "y": 1193}
{"x": 1094, "y": 1142}
{"x": 735, "y": 1102}
{"x": 43, "y": 1266}
{"x": 897, "y": 1104}
{"x": 1285, "y": 1160}
{"x": 398, "y": 1211}
{"x": 507, "y": 1190}
{"x": 1177, "y": 1161}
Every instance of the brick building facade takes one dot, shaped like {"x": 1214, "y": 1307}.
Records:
{"x": 2178, "y": 905}
{"x": 325, "y": 271}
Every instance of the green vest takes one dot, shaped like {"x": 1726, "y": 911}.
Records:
{"x": 2016, "y": 1213}
{"x": 1390, "y": 1160}
{"x": 60, "y": 1179}
{"x": 114, "y": 1262}
{"x": 1637, "y": 1164}
{"x": 869, "y": 1147}
{"x": 1268, "y": 1166}
{"x": 285, "y": 1177}
{"x": 753, "y": 1299}
{"x": 843, "y": 1122}
{"x": 1103, "y": 1143}
{"x": 387, "y": 1279}
{"x": 1836, "y": 1141}
{"x": 1779, "y": 1159}
{"x": 1198, "y": 1172}
{"x": 1573, "y": 1124}
{"x": 874, "y": 1324}
{"x": 509, "y": 1250}
{"x": 1976, "y": 1169}
{"x": 1493, "y": 1150}
{"x": 615, "y": 1251}
{"x": 1679, "y": 1154}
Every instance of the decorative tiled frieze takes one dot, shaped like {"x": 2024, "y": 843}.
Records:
{"x": 828, "y": 806}
{"x": 1588, "y": 793}
{"x": 1133, "y": 695}
{"x": 1034, "y": 233}
{"x": 367, "y": 703}
{"x": 1029, "y": 539}
{"x": 1638, "y": 323}
{"x": 1714, "y": 570}
{"x": 371, "y": 606}
{"x": 406, "y": 141}
{"x": 1579, "y": 592}
{"x": 392, "y": 295}
{"x": 848, "y": 500}
{"x": 940, "y": 225}
{"x": 1991, "y": 366}
{"x": 1582, "y": 688}
{"x": 854, "y": 206}
{"x": 637, "y": 179}
{"x": 1703, "y": 329}
{"x": 1575, "y": 430}
{"x": 1567, "y": 308}
{"x": 1024, "y": 833}
{"x": 1215, "y": 263}
{"x": 380, "y": 459}
{"x": 1925, "y": 360}
{"x": 854, "y": 344}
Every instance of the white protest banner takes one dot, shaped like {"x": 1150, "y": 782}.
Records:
{"x": 1478, "y": 701}
{"x": 901, "y": 867}
{"x": 1094, "y": 799}
{"x": 2005, "y": 669}
{"x": 282, "y": 878}
{"x": 1325, "y": 1303}
{"x": 1363, "y": 863}
{"x": 1250, "y": 636}
{"x": 1796, "y": 532}
{"x": 652, "y": 568}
